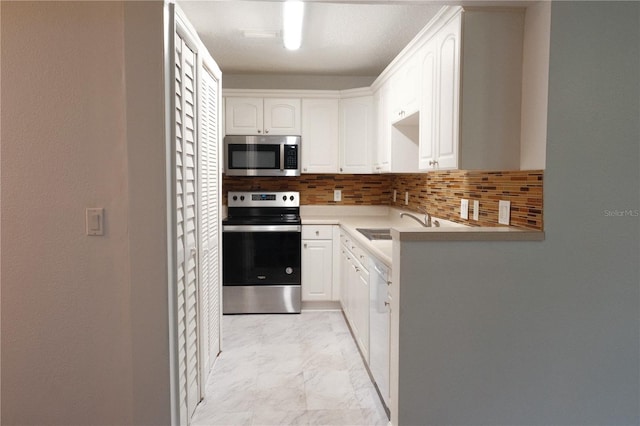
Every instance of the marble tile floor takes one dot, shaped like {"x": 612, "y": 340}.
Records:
{"x": 289, "y": 370}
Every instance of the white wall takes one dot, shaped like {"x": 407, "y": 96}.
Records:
{"x": 535, "y": 83}
{"x": 80, "y": 343}
{"x": 544, "y": 332}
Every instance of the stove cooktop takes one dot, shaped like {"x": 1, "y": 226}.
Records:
{"x": 263, "y": 208}
{"x": 286, "y": 219}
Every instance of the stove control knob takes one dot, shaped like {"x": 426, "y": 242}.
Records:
{"x": 242, "y": 198}
{"x": 235, "y": 198}
{"x": 291, "y": 198}
{"x": 289, "y": 270}
{"x": 284, "y": 198}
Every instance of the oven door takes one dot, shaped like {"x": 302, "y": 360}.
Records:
{"x": 261, "y": 255}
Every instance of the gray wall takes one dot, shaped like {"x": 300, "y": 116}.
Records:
{"x": 85, "y": 327}
{"x": 544, "y": 332}
{"x": 295, "y": 82}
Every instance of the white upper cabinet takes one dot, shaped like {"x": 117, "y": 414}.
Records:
{"x": 439, "y": 117}
{"x": 282, "y": 116}
{"x": 471, "y": 92}
{"x": 262, "y": 116}
{"x": 356, "y": 134}
{"x": 320, "y": 135}
{"x": 448, "y": 53}
{"x": 382, "y": 151}
{"x": 244, "y": 116}
{"x": 428, "y": 110}
{"x": 405, "y": 89}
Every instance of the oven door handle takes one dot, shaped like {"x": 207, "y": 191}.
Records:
{"x": 262, "y": 228}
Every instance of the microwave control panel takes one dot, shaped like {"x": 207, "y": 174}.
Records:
{"x": 290, "y": 157}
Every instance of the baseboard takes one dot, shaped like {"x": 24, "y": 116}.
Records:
{"x": 328, "y": 305}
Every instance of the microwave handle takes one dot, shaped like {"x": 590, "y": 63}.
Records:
{"x": 281, "y": 157}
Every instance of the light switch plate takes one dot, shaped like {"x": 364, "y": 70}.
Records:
{"x": 94, "y": 221}
{"x": 337, "y": 195}
{"x": 395, "y": 195}
{"x": 406, "y": 198}
{"x": 504, "y": 212}
{"x": 476, "y": 209}
{"x": 464, "y": 209}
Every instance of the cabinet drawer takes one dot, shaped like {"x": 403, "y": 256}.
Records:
{"x": 359, "y": 254}
{"x": 317, "y": 232}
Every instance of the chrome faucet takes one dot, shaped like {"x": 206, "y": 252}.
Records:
{"x": 426, "y": 222}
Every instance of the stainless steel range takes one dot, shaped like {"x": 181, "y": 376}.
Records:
{"x": 261, "y": 239}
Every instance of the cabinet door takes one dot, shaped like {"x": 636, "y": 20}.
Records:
{"x": 429, "y": 110}
{"x": 243, "y": 116}
{"x": 382, "y": 162}
{"x": 345, "y": 266}
{"x": 320, "y": 135}
{"x": 282, "y": 116}
{"x": 362, "y": 311}
{"x": 352, "y": 298}
{"x": 405, "y": 84}
{"x": 356, "y": 134}
{"x": 317, "y": 269}
{"x": 448, "y": 61}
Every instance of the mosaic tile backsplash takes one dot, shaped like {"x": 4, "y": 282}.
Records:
{"x": 318, "y": 189}
{"x": 439, "y": 193}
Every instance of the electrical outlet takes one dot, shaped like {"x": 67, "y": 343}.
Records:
{"x": 337, "y": 195}
{"x": 395, "y": 195}
{"x": 464, "y": 209}
{"x": 476, "y": 209}
{"x": 406, "y": 198}
{"x": 504, "y": 212}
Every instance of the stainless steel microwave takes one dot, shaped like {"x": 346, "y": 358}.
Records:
{"x": 267, "y": 155}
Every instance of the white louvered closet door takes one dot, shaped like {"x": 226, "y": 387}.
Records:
{"x": 186, "y": 228}
{"x": 209, "y": 92}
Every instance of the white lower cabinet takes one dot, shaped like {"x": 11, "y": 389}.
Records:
{"x": 317, "y": 262}
{"x": 355, "y": 290}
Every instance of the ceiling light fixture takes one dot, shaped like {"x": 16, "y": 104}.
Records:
{"x": 293, "y": 13}
{"x": 260, "y": 33}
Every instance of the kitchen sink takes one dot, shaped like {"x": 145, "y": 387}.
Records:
{"x": 375, "y": 233}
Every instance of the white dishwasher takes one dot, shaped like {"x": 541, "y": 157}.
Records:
{"x": 379, "y": 319}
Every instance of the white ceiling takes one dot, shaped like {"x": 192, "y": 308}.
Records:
{"x": 342, "y": 38}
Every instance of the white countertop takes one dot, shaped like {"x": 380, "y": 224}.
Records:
{"x": 403, "y": 229}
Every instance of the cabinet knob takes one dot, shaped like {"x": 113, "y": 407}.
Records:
{"x": 340, "y": 168}
{"x": 433, "y": 163}
{"x": 259, "y": 131}
{"x": 317, "y": 232}
{"x": 305, "y": 169}
{"x": 387, "y": 303}
{"x": 305, "y": 245}
{"x": 266, "y": 131}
